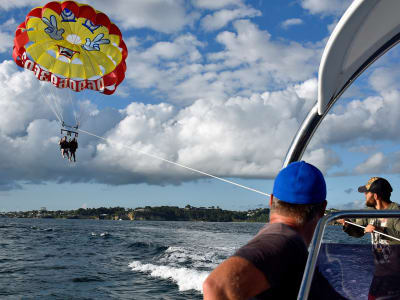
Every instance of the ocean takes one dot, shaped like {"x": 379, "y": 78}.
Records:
{"x": 101, "y": 259}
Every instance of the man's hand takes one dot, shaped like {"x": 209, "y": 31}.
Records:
{"x": 341, "y": 221}
{"x": 369, "y": 228}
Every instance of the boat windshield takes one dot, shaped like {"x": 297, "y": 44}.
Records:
{"x": 357, "y": 265}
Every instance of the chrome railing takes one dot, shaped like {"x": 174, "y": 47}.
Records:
{"x": 317, "y": 240}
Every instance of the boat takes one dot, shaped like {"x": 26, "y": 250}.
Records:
{"x": 366, "y": 31}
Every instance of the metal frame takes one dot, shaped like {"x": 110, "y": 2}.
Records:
{"x": 69, "y": 132}
{"x": 317, "y": 240}
{"x": 313, "y": 119}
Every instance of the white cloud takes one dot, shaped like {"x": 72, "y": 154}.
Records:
{"x": 376, "y": 118}
{"x": 166, "y": 16}
{"x": 250, "y": 62}
{"x": 376, "y": 163}
{"x": 356, "y": 204}
{"x": 291, "y": 22}
{"x": 231, "y": 113}
{"x": 326, "y": 7}
{"x": 323, "y": 158}
{"x": 236, "y": 136}
{"x": 161, "y": 15}
{"x": 20, "y": 99}
{"x": 307, "y": 89}
{"x": 6, "y": 36}
{"x": 385, "y": 78}
{"x": 6, "y": 42}
{"x": 222, "y": 17}
{"x": 212, "y": 4}
{"x": 252, "y": 47}
{"x": 239, "y": 137}
{"x": 20, "y": 3}
{"x": 363, "y": 148}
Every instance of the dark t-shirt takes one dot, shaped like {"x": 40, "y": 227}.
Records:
{"x": 280, "y": 253}
{"x": 73, "y": 146}
{"x": 64, "y": 145}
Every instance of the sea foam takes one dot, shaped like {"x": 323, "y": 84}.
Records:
{"x": 186, "y": 279}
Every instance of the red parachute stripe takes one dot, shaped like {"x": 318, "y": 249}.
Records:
{"x": 124, "y": 50}
{"x": 21, "y": 37}
{"x": 55, "y": 6}
{"x": 115, "y": 30}
{"x": 87, "y": 12}
{"x": 36, "y": 12}
{"x": 72, "y": 6}
{"x": 102, "y": 19}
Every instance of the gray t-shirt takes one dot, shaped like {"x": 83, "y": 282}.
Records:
{"x": 280, "y": 253}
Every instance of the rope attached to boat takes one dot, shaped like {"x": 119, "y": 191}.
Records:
{"x": 378, "y": 232}
{"x": 175, "y": 163}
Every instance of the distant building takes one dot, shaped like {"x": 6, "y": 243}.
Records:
{"x": 43, "y": 209}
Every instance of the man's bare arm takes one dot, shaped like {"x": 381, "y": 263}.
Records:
{"x": 236, "y": 278}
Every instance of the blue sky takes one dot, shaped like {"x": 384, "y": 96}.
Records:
{"x": 218, "y": 86}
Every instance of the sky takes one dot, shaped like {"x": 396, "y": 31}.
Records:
{"x": 216, "y": 86}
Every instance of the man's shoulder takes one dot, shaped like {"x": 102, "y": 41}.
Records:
{"x": 394, "y": 206}
{"x": 278, "y": 235}
{"x": 277, "y": 228}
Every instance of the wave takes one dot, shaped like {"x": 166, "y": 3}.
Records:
{"x": 198, "y": 258}
{"x": 186, "y": 279}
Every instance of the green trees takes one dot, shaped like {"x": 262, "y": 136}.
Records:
{"x": 158, "y": 213}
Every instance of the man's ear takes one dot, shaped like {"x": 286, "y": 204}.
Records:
{"x": 323, "y": 208}
{"x": 270, "y": 200}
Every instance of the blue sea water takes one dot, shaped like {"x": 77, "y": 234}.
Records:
{"x": 100, "y": 259}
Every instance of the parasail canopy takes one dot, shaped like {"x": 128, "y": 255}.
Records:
{"x": 73, "y": 46}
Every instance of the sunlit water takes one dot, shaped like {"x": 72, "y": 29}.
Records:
{"x": 98, "y": 259}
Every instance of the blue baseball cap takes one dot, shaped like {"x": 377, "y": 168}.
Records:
{"x": 300, "y": 183}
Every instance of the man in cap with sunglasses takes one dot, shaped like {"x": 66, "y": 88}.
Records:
{"x": 271, "y": 265}
{"x": 386, "y": 280}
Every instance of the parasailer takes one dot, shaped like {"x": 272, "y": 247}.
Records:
{"x": 64, "y": 147}
{"x": 73, "y": 145}
{"x": 70, "y": 46}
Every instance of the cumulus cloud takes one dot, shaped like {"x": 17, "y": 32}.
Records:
{"x": 384, "y": 78}
{"x": 363, "y": 126}
{"x": 222, "y": 17}
{"x": 326, "y": 7}
{"x": 375, "y": 163}
{"x": 224, "y": 138}
{"x": 359, "y": 120}
{"x": 249, "y": 62}
{"x": 231, "y": 112}
{"x": 235, "y": 136}
{"x": 159, "y": 15}
{"x": 357, "y": 204}
{"x": 6, "y": 42}
{"x": 6, "y": 36}
{"x": 249, "y": 46}
{"x": 6, "y": 5}
{"x": 324, "y": 158}
{"x": 291, "y": 22}
{"x": 211, "y": 4}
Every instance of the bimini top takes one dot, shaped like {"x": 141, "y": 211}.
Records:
{"x": 366, "y": 31}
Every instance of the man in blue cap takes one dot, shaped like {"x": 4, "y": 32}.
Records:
{"x": 271, "y": 265}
